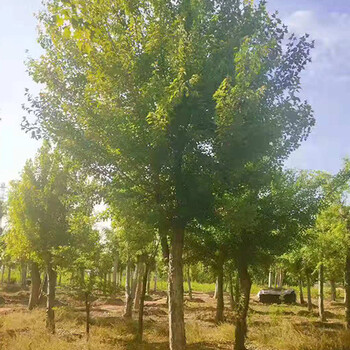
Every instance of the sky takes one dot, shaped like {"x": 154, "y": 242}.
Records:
{"x": 326, "y": 81}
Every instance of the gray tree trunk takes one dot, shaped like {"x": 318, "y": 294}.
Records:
{"x": 177, "y": 337}
{"x": 321, "y": 293}
{"x": 301, "y": 293}
{"x": 3, "y": 273}
{"x": 189, "y": 283}
{"x": 155, "y": 281}
{"x": 149, "y": 277}
{"x": 139, "y": 280}
{"x": 129, "y": 298}
{"x": 142, "y": 303}
{"x": 243, "y": 305}
{"x": 216, "y": 289}
{"x": 9, "y": 274}
{"x": 87, "y": 311}
{"x": 309, "y": 299}
{"x": 120, "y": 277}
{"x": 219, "y": 318}
{"x": 34, "y": 286}
{"x": 115, "y": 271}
{"x": 270, "y": 278}
{"x": 232, "y": 297}
{"x": 51, "y": 291}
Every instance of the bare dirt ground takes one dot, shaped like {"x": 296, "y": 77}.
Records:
{"x": 284, "y": 327}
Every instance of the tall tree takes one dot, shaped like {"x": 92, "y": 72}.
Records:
{"x": 157, "y": 96}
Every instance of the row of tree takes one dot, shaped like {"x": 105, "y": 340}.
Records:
{"x": 298, "y": 224}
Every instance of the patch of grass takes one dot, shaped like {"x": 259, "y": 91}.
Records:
{"x": 198, "y": 332}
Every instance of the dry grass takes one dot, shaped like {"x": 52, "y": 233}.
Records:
{"x": 276, "y": 327}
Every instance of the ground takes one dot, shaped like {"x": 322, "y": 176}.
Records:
{"x": 275, "y": 327}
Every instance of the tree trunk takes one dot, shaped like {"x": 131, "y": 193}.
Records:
{"x": 51, "y": 290}
{"x": 142, "y": 304}
{"x": 139, "y": 281}
{"x": 216, "y": 289}
{"x": 23, "y": 275}
{"x": 128, "y": 292}
{"x": 321, "y": 294}
{"x": 301, "y": 294}
{"x": 220, "y": 296}
{"x": 276, "y": 278}
{"x": 243, "y": 305}
{"x": 3, "y": 273}
{"x": 155, "y": 281}
{"x": 232, "y": 298}
{"x": 120, "y": 277}
{"x": 87, "y": 309}
{"x": 177, "y": 337}
{"x": 189, "y": 283}
{"x": 9, "y": 274}
{"x": 347, "y": 290}
{"x": 60, "y": 279}
{"x": 43, "y": 287}
{"x": 149, "y": 277}
{"x": 270, "y": 278}
{"x": 34, "y": 286}
{"x": 309, "y": 299}
{"x": 333, "y": 290}
{"x": 115, "y": 270}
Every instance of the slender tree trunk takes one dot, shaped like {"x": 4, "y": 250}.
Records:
{"x": 139, "y": 281}
{"x": 333, "y": 290}
{"x": 60, "y": 279}
{"x": 9, "y": 274}
{"x": 344, "y": 286}
{"x": 270, "y": 278}
{"x": 3, "y": 273}
{"x": 216, "y": 289}
{"x": 149, "y": 277}
{"x": 220, "y": 296}
{"x": 232, "y": 298}
{"x": 321, "y": 293}
{"x": 51, "y": 291}
{"x": 142, "y": 304}
{"x": 301, "y": 293}
{"x": 128, "y": 292}
{"x": 189, "y": 283}
{"x": 155, "y": 281}
{"x": 276, "y": 278}
{"x": 34, "y": 286}
{"x": 115, "y": 270}
{"x": 130, "y": 287}
{"x": 43, "y": 287}
{"x": 347, "y": 290}
{"x": 237, "y": 289}
{"x": 87, "y": 310}
{"x": 120, "y": 277}
{"x": 23, "y": 275}
{"x": 243, "y": 305}
{"x": 177, "y": 337}
{"x": 309, "y": 299}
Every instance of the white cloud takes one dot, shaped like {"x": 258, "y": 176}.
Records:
{"x": 331, "y": 33}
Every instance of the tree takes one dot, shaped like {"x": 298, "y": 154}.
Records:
{"x": 40, "y": 206}
{"x": 156, "y": 97}
{"x": 263, "y": 224}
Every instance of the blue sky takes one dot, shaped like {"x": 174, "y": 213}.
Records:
{"x": 326, "y": 82}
